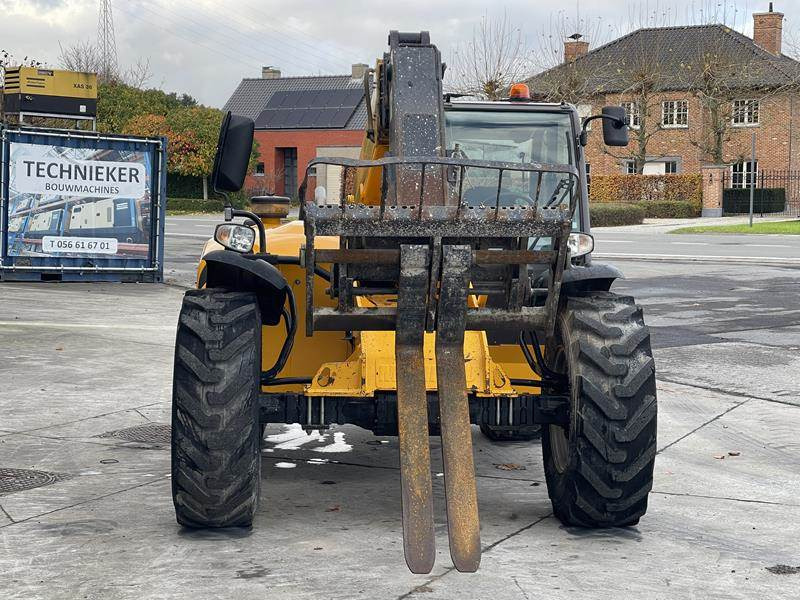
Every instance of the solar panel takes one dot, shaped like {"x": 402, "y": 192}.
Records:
{"x": 320, "y": 109}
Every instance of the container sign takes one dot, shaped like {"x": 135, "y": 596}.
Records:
{"x": 79, "y": 202}
{"x": 87, "y": 178}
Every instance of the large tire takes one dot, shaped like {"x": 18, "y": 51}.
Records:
{"x": 599, "y": 470}
{"x": 216, "y": 456}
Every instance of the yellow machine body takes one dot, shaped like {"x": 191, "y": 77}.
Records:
{"x": 365, "y": 364}
{"x": 50, "y": 91}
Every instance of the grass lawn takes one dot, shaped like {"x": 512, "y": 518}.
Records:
{"x": 784, "y": 227}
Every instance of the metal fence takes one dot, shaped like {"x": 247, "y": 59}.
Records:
{"x": 777, "y": 192}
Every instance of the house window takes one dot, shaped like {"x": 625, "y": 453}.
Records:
{"x": 259, "y": 170}
{"x": 743, "y": 174}
{"x": 675, "y": 113}
{"x": 670, "y": 167}
{"x": 588, "y": 176}
{"x": 584, "y": 112}
{"x": 745, "y": 112}
{"x": 631, "y": 114}
{"x": 630, "y": 167}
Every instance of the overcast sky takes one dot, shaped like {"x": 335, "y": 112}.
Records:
{"x": 205, "y": 47}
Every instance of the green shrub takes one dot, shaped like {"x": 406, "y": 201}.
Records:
{"x": 212, "y": 205}
{"x": 633, "y": 189}
{"x": 195, "y": 205}
{"x": 610, "y": 215}
{"x": 675, "y": 209}
{"x": 765, "y": 200}
{"x": 184, "y": 186}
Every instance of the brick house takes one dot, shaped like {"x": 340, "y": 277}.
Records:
{"x": 300, "y": 118}
{"x": 670, "y": 79}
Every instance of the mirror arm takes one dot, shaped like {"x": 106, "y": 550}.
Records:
{"x": 262, "y": 233}
{"x": 618, "y": 123}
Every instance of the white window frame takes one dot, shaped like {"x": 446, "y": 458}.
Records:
{"x": 741, "y": 174}
{"x": 630, "y": 167}
{"x": 677, "y": 111}
{"x": 255, "y": 171}
{"x": 632, "y": 114}
{"x": 745, "y": 112}
{"x": 671, "y": 162}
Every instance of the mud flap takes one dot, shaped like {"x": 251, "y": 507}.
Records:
{"x": 459, "y": 470}
{"x": 412, "y": 410}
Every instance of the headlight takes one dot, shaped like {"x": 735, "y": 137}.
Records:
{"x": 580, "y": 244}
{"x": 239, "y": 238}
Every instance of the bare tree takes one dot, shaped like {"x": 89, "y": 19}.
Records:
{"x": 495, "y": 57}
{"x": 86, "y": 57}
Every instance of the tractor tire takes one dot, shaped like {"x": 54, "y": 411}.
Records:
{"x": 599, "y": 470}
{"x": 505, "y": 435}
{"x": 216, "y": 455}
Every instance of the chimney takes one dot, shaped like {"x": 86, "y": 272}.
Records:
{"x": 358, "y": 70}
{"x": 574, "y": 47}
{"x": 768, "y": 30}
{"x": 270, "y": 73}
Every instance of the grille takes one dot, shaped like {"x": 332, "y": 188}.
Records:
{"x": 150, "y": 433}
{"x": 18, "y": 480}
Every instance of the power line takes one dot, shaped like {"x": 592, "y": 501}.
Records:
{"x": 188, "y": 39}
{"x": 322, "y": 58}
{"x": 237, "y": 37}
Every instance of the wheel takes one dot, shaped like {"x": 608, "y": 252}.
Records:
{"x": 599, "y": 469}
{"x": 505, "y": 435}
{"x": 216, "y": 456}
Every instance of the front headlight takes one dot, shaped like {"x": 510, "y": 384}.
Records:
{"x": 580, "y": 244}
{"x": 239, "y": 238}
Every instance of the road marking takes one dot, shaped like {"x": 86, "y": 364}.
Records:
{"x": 85, "y": 325}
{"x": 768, "y": 246}
{"x": 694, "y": 258}
{"x": 690, "y": 243}
{"x": 191, "y": 235}
{"x": 617, "y": 241}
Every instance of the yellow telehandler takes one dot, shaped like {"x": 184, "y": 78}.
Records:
{"x": 449, "y": 282}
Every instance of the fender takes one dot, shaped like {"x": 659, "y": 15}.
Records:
{"x": 591, "y": 277}
{"x": 232, "y": 271}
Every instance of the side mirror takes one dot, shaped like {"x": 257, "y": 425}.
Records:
{"x": 233, "y": 153}
{"x": 615, "y": 126}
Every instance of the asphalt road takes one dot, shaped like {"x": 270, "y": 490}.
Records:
{"x": 85, "y": 402}
{"x": 185, "y": 237}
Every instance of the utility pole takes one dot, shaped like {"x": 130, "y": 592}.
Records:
{"x": 752, "y": 175}
{"x": 106, "y": 42}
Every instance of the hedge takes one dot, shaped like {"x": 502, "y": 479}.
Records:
{"x": 633, "y": 189}
{"x": 670, "y": 210}
{"x": 212, "y": 205}
{"x": 609, "y": 215}
{"x": 765, "y": 200}
{"x": 183, "y": 186}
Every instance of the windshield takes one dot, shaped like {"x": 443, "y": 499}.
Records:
{"x": 511, "y": 136}
{"x": 517, "y": 136}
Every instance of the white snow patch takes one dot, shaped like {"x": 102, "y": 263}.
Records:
{"x": 267, "y": 450}
{"x": 285, "y": 465}
{"x": 338, "y": 445}
{"x": 290, "y": 432}
{"x": 317, "y": 461}
{"x": 440, "y": 474}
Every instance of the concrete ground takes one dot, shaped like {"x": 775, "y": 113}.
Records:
{"x": 82, "y": 365}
